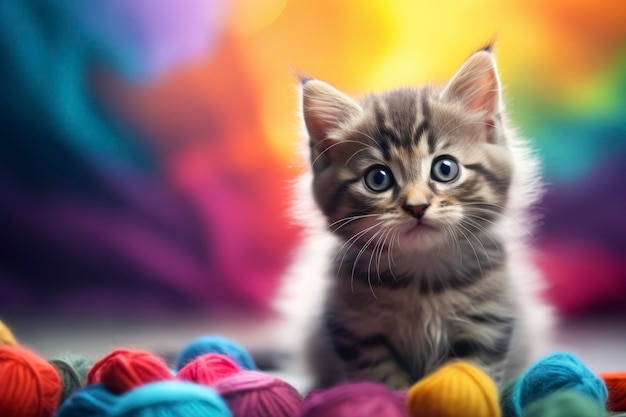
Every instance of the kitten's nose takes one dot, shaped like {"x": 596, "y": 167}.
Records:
{"x": 417, "y": 210}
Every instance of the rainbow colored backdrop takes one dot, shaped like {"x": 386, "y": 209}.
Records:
{"x": 146, "y": 148}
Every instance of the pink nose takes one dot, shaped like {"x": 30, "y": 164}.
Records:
{"x": 416, "y": 211}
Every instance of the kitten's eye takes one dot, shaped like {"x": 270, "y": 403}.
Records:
{"x": 444, "y": 169}
{"x": 379, "y": 178}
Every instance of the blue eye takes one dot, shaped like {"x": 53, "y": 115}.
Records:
{"x": 444, "y": 169}
{"x": 379, "y": 178}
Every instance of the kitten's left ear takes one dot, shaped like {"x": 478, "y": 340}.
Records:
{"x": 476, "y": 84}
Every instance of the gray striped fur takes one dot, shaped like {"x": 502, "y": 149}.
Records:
{"x": 406, "y": 295}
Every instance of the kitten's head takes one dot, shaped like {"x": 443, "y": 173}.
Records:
{"x": 419, "y": 165}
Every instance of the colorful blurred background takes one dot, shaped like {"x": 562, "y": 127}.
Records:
{"x": 147, "y": 146}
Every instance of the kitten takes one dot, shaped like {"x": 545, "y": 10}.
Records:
{"x": 428, "y": 196}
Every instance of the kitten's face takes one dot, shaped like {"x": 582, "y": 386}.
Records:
{"x": 420, "y": 167}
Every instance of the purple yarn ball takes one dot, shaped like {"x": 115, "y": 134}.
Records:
{"x": 257, "y": 394}
{"x": 362, "y": 399}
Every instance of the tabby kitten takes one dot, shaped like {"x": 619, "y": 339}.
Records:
{"x": 428, "y": 195}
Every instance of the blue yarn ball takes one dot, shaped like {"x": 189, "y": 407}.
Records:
{"x": 557, "y": 372}
{"x": 215, "y": 344}
{"x": 170, "y": 399}
{"x": 92, "y": 401}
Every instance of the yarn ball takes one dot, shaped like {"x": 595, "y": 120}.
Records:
{"x": 91, "y": 401}
{"x": 209, "y": 368}
{"x": 257, "y": 394}
{"x": 454, "y": 389}
{"x": 29, "y": 385}
{"x": 215, "y": 344}
{"x": 362, "y": 399}
{"x": 565, "y": 404}
{"x": 616, "y": 385}
{"x": 556, "y": 372}
{"x": 124, "y": 369}
{"x": 73, "y": 372}
{"x": 506, "y": 399}
{"x": 170, "y": 399}
{"x": 6, "y": 336}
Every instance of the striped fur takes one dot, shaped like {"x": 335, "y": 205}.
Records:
{"x": 408, "y": 293}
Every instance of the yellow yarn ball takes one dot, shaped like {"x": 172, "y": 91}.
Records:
{"x": 6, "y": 337}
{"x": 457, "y": 389}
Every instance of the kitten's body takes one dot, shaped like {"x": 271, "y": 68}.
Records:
{"x": 425, "y": 270}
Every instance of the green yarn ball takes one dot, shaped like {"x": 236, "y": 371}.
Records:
{"x": 506, "y": 399}
{"x": 565, "y": 404}
{"x": 73, "y": 372}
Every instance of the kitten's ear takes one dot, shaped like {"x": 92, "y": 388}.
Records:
{"x": 476, "y": 84}
{"x": 324, "y": 109}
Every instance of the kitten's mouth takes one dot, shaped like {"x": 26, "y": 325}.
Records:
{"x": 420, "y": 227}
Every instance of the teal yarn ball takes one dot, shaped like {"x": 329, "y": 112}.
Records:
{"x": 565, "y": 404}
{"x": 506, "y": 399}
{"x": 215, "y": 344}
{"x": 556, "y": 372}
{"x": 170, "y": 399}
{"x": 73, "y": 372}
{"x": 92, "y": 401}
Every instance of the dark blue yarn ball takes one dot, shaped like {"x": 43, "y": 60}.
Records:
{"x": 92, "y": 401}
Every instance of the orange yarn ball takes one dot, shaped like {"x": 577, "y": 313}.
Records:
{"x": 208, "y": 369}
{"x": 6, "y": 337}
{"x": 616, "y": 385}
{"x": 124, "y": 369}
{"x": 29, "y": 385}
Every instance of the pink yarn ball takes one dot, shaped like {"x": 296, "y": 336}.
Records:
{"x": 208, "y": 369}
{"x": 256, "y": 394}
{"x": 363, "y": 399}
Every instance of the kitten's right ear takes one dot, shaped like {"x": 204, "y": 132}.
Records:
{"x": 325, "y": 109}
{"x": 476, "y": 84}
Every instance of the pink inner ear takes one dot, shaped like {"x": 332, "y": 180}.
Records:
{"x": 476, "y": 85}
{"x": 482, "y": 94}
{"x": 318, "y": 127}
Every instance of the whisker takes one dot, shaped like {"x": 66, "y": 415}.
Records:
{"x": 353, "y": 155}
{"x": 390, "y": 259}
{"x": 480, "y": 243}
{"x": 367, "y": 136}
{"x": 483, "y": 204}
{"x": 380, "y": 254}
{"x": 516, "y": 221}
{"x": 455, "y": 239}
{"x": 372, "y": 256}
{"x": 473, "y": 250}
{"x": 345, "y": 248}
{"x": 358, "y": 257}
{"x": 349, "y": 219}
{"x": 343, "y": 141}
{"x": 399, "y": 243}
{"x": 485, "y": 231}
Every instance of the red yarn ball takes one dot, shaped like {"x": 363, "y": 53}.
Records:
{"x": 616, "y": 385}
{"x": 125, "y": 369}
{"x": 256, "y": 394}
{"x": 29, "y": 385}
{"x": 209, "y": 368}
{"x": 363, "y": 399}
